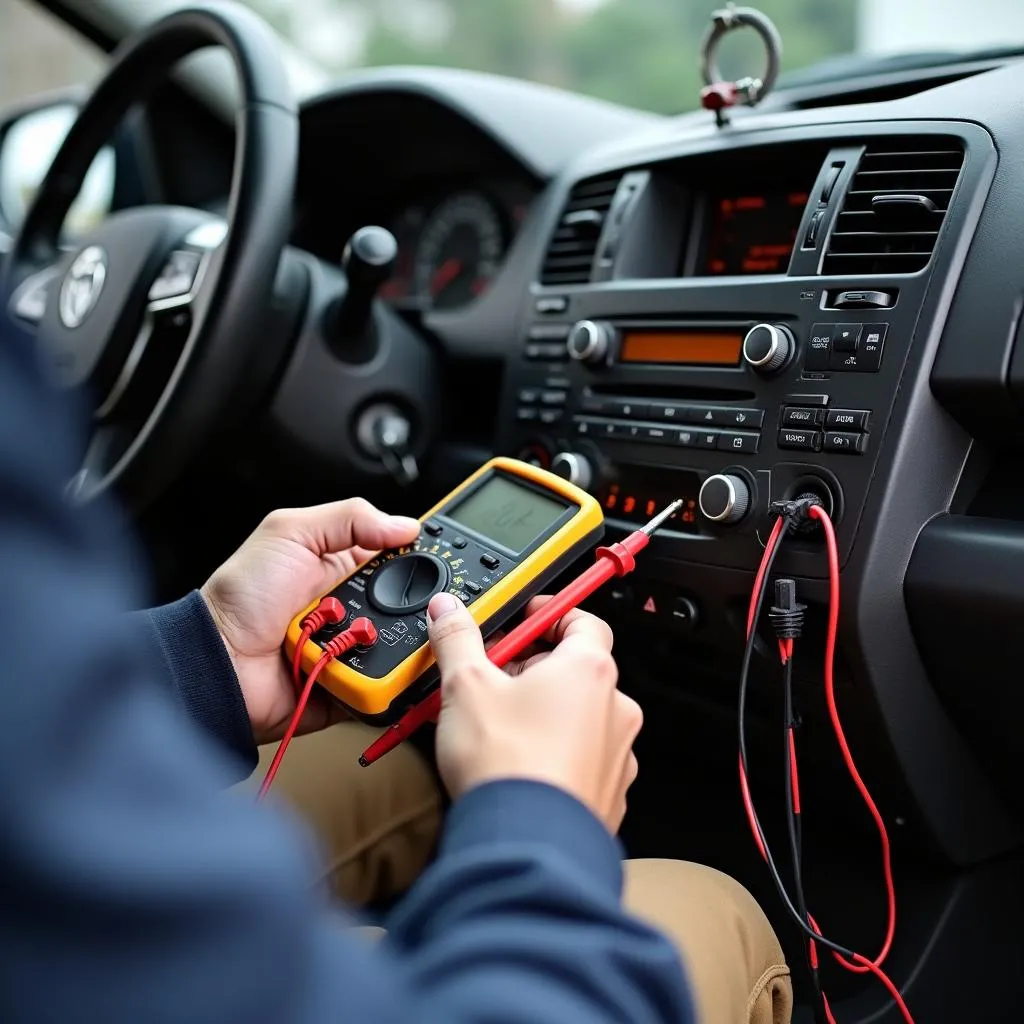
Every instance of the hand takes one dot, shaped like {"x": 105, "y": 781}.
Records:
{"x": 292, "y": 558}
{"x": 557, "y": 718}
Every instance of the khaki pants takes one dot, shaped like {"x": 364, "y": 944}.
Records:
{"x": 380, "y": 825}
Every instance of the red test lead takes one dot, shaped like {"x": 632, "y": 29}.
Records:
{"x": 614, "y": 560}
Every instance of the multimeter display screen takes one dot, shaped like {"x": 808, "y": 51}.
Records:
{"x": 509, "y": 514}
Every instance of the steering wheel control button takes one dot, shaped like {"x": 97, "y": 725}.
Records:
{"x": 724, "y": 499}
{"x": 800, "y": 440}
{"x": 767, "y": 348}
{"x": 745, "y": 444}
{"x": 406, "y": 584}
{"x": 848, "y": 419}
{"x": 802, "y": 417}
{"x": 489, "y": 562}
{"x": 177, "y": 277}
{"x": 590, "y": 341}
{"x": 434, "y": 529}
{"x": 573, "y": 467}
{"x": 847, "y": 444}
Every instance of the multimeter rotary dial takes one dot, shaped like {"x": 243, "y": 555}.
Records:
{"x": 406, "y": 584}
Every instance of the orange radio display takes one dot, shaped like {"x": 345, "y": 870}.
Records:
{"x": 682, "y": 347}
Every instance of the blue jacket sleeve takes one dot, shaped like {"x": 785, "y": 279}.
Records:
{"x": 137, "y": 887}
{"x": 188, "y": 653}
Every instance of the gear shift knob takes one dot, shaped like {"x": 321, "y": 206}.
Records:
{"x": 368, "y": 261}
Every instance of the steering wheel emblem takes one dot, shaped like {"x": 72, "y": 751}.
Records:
{"x": 80, "y": 290}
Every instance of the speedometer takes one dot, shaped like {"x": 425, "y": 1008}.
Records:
{"x": 460, "y": 252}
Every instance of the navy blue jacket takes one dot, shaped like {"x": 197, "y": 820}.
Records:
{"x": 137, "y": 888}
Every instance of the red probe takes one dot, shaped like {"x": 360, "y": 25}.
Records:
{"x": 615, "y": 560}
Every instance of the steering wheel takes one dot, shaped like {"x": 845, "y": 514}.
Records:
{"x": 160, "y": 314}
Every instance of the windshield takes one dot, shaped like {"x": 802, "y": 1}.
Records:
{"x": 642, "y": 53}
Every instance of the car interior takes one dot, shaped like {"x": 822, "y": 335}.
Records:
{"x": 373, "y": 285}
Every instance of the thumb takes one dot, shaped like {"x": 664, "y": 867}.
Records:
{"x": 454, "y": 636}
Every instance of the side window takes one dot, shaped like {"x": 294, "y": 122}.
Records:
{"x": 39, "y": 53}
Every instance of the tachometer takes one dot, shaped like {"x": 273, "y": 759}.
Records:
{"x": 460, "y": 252}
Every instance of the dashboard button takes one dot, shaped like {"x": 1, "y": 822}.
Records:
{"x": 584, "y": 428}
{"x": 660, "y": 435}
{"x": 705, "y": 439}
{"x": 668, "y": 413}
{"x": 837, "y": 441}
{"x": 845, "y": 337}
{"x": 811, "y": 400}
{"x": 550, "y": 398}
{"x": 708, "y": 416}
{"x": 529, "y": 396}
{"x": 848, "y": 419}
{"x": 749, "y": 419}
{"x": 802, "y": 417}
{"x": 685, "y": 615}
{"x": 545, "y": 351}
{"x": 872, "y": 343}
{"x": 526, "y": 414}
{"x": 747, "y": 443}
{"x": 549, "y": 416}
{"x": 819, "y": 347}
{"x": 549, "y": 332}
{"x": 628, "y": 409}
{"x": 550, "y": 305}
{"x": 800, "y": 440}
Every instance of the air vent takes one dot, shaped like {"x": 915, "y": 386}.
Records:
{"x": 895, "y": 207}
{"x": 570, "y": 255}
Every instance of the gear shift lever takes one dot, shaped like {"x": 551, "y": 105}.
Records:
{"x": 368, "y": 261}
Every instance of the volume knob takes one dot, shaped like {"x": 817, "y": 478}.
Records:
{"x": 589, "y": 341}
{"x": 724, "y": 498}
{"x": 768, "y": 347}
{"x": 573, "y": 467}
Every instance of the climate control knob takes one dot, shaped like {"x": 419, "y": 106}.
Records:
{"x": 768, "y": 347}
{"x": 724, "y": 499}
{"x": 589, "y": 341}
{"x": 573, "y": 467}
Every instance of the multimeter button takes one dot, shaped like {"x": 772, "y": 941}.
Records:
{"x": 434, "y": 529}
{"x": 489, "y": 562}
{"x": 407, "y": 584}
{"x": 459, "y": 543}
{"x": 473, "y": 588}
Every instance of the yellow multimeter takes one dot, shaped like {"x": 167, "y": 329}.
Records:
{"x": 495, "y": 542}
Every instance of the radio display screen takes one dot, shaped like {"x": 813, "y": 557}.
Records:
{"x": 638, "y": 494}
{"x": 508, "y": 513}
{"x": 751, "y": 233}
{"x": 682, "y": 347}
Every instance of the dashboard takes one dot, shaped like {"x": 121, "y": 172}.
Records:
{"x": 823, "y": 297}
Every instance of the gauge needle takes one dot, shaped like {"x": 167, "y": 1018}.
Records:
{"x": 445, "y": 274}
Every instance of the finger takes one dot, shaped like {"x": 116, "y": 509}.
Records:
{"x": 340, "y": 525}
{"x": 494, "y": 638}
{"x": 583, "y": 631}
{"x": 570, "y": 622}
{"x": 455, "y": 638}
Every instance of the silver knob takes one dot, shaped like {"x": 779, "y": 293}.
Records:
{"x": 589, "y": 341}
{"x": 768, "y": 347}
{"x": 724, "y": 498}
{"x": 573, "y": 467}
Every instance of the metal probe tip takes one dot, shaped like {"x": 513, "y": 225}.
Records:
{"x": 662, "y": 517}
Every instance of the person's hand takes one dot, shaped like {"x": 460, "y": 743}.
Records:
{"x": 293, "y": 557}
{"x": 557, "y": 718}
